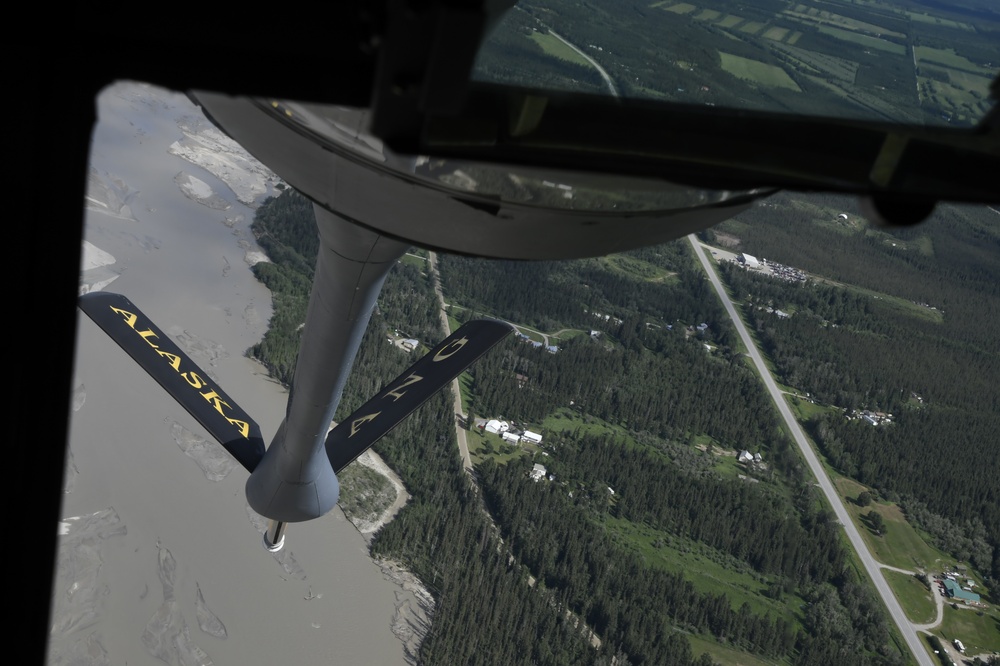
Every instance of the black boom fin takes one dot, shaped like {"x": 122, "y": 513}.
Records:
{"x": 174, "y": 371}
{"x": 385, "y": 411}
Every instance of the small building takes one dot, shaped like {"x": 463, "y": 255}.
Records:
{"x": 410, "y": 344}
{"x": 497, "y": 427}
{"x": 749, "y": 260}
{"x": 538, "y": 472}
{"x": 511, "y": 437}
{"x": 532, "y": 437}
{"x": 552, "y": 349}
{"x": 954, "y": 591}
{"x": 745, "y": 457}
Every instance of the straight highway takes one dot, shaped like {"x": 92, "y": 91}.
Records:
{"x": 869, "y": 562}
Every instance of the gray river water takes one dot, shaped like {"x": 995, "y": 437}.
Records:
{"x": 163, "y": 564}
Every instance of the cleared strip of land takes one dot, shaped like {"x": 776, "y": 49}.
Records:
{"x": 871, "y": 566}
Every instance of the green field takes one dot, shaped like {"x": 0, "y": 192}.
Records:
{"x": 566, "y": 420}
{"x": 934, "y": 20}
{"x": 838, "y": 21}
{"x": 751, "y": 27}
{"x": 722, "y": 654}
{"x": 534, "y": 335}
{"x": 759, "y": 72}
{"x": 412, "y": 260}
{"x": 555, "y": 47}
{"x": 708, "y": 15}
{"x": 901, "y": 545}
{"x": 970, "y": 82}
{"x": 864, "y": 40}
{"x": 980, "y": 633}
{"x": 484, "y": 445}
{"x": 707, "y": 569}
{"x": 681, "y": 8}
{"x": 731, "y": 21}
{"x": 913, "y": 596}
{"x": 777, "y": 34}
{"x": 805, "y": 410}
{"x": 949, "y": 58}
{"x": 567, "y": 335}
{"x": 636, "y": 268}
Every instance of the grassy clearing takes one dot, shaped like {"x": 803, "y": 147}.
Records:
{"x": 759, "y": 72}
{"x": 777, "y": 34}
{"x": 707, "y": 569}
{"x": 568, "y": 335}
{"x": 897, "y": 303}
{"x": 722, "y": 654}
{"x": 956, "y": 100}
{"x": 484, "y": 445}
{"x": 681, "y": 8}
{"x": 950, "y": 59}
{"x": 566, "y": 420}
{"x": 970, "y": 82}
{"x": 838, "y": 21}
{"x": 901, "y": 545}
{"x": 917, "y": 601}
{"x": 934, "y": 20}
{"x": 533, "y": 335}
{"x": 635, "y": 268}
{"x": 980, "y": 633}
{"x": 556, "y": 48}
{"x": 794, "y": 38}
{"x": 730, "y": 21}
{"x": 805, "y": 410}
{"x": 864, "y": 40}
{"x": 413, "y": 260}
{"x": 708, "y": 15}
{"x": 751, "y": 27}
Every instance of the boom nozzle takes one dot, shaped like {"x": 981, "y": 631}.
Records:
{"x": 274, "y": 536}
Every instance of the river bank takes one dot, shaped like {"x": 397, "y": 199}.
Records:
{"x": 159, "y": 556}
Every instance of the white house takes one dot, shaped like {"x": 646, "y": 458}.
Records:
{"x": 497, "y": 427}
{"x": 532, "y": 437}
{"x": 538, "y": 472}
{"x": 750, "y": 261}
{"x": 511, "y": 437}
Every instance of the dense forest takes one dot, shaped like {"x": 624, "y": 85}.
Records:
{"x": 907, "y": 323}
{"x": 833, "y": 58}
{"x": 519, "y": 569}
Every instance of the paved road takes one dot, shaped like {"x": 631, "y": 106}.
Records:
{"x": 456, "y": 389}
{"x": 871, "y": 566}
{"x": 604, "y": 74}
